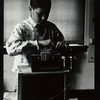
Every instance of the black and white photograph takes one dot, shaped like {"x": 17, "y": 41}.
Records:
{"x": 48, "y": 50}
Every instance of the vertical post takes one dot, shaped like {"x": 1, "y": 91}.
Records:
{"x": 86, "y": 25}
{"x": 71, "y": 59}
{"x": 19, "y": 90}
{"x": 65, "y": 86}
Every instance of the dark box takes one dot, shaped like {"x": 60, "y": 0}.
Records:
{"x": 46, "y": 62}
{"x": 43, "y": 85}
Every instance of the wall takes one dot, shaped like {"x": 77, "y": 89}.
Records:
{"x": 83, "y": 70}
{"x": 14, "y": 11}
{"x": 9, "y": 76}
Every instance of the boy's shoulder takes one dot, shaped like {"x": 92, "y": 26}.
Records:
{"x": 25, "y": 21}
{"x": 48, "y": 23}
{"x": 23, "y": 24}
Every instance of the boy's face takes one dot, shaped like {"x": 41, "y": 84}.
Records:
{"x": 37, "y": 15}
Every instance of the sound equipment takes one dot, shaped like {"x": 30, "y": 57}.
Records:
{"x": 46, "y": 62}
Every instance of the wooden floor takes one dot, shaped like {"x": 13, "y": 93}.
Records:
{"x": 12, "y": 96}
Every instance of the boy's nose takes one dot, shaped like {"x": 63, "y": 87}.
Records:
{"x": 43, "y": 18}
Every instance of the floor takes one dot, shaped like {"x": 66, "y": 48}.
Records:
{"x": 12, "y": 96}
{"x": 9, "y": 96}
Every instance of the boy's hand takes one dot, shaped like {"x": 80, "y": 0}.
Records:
{"x": 44, "y": 42}
{"x": 34, "y": 43}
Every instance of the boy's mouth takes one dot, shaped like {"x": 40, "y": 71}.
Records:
{"x": 40, "y": 21}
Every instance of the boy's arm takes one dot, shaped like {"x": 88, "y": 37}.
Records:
{"x": 53, "y": 43}
{"x": 59, "y": 38}
{"x": 15, "y": 44}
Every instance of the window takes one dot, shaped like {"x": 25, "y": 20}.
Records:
{"x": 68, "y": 15}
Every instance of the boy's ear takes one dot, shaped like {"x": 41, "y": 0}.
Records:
{"x": 30, "y": 11}
{"x": 30, "y": 8}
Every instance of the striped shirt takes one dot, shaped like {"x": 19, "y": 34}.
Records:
{"x": 28, "y": 32}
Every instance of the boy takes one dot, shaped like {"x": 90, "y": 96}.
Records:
{"x": 33, "y": 35}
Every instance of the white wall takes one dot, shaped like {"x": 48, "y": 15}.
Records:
{"x": 83, "y": 72}
{"x": 9, "y": 76}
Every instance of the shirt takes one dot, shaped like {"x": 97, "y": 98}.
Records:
{"x": 26, "y": 33}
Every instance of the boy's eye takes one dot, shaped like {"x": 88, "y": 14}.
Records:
{"x": 39, "y": 14}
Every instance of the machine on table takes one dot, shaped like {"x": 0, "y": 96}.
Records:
{"x": 49, "y": 80}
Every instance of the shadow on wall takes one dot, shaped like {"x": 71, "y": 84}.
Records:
{"x": 78, "y": 62}
{"x": 9, "y": 76}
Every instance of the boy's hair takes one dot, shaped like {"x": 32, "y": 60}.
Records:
{"x": 44, "y": 4}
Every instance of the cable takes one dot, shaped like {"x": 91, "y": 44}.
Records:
{"x": 53, "y": 97}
